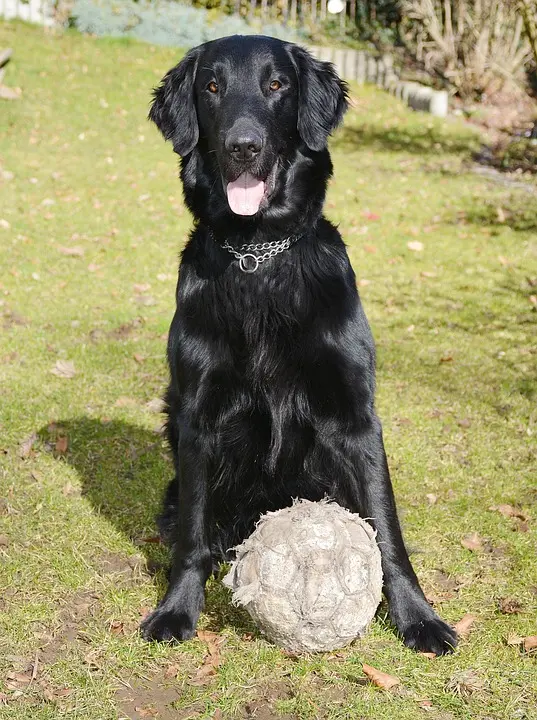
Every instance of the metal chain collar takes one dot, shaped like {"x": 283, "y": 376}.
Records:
{"x": 249, "y": 262}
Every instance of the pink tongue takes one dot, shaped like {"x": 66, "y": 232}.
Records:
{"x": 244, "y": 194}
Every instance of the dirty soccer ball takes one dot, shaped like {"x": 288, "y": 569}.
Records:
{"x": 309, "y": 575}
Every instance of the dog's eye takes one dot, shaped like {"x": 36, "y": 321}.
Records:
{"x": 212, "y": 87}
{"x": 275, "y": 85}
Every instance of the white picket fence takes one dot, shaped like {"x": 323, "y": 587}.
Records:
{"x": 37, "y": 11}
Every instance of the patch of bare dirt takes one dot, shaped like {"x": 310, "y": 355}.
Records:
{"x": 54, "y": 644}
{"x": 151, "y": 698}
{"x": 262, "y": 707}
{"x": 130, "y": 570}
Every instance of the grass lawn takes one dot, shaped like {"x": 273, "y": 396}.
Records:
{"x": 91, "y": 224}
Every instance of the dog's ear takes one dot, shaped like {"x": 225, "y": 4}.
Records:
{"x": 173, "y": 110}
{"x": 322, "y": 98}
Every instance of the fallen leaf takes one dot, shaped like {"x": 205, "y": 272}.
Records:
{"x": 16, "y": 680}
{"x": 429, "y": 655}
{"x": 172, "y": 671}
{"x": 446, "y": 358}
{"x": 415, "y": 245}
{"x": 62, "y": 443}
{"x": 509, "y": 511}
{"x": 124, "y": 401}
{"x": 25, "y": 448}
{"x": 92, "y": 267}
{"x": 472, "y": 542}
{"x": 427, "y": 274}
{"x": 217, "y": 714}
{"x": 431, "y": 498}
{"x": 117, "y": 628}
{"x": 146, "y": 711}
{"x": 370, "y": 249}
{"x": 204, "y": 676}
{"x": 464, "y": 422}
{"x": 465, "y": 683}
{"x": 156, "y": 405}
{"x": 380, "y": 679}
{"x": 139, "y": 358}
{"x": 509, "y": 606}
{"x": 4, "y": 541}
{"x": 64, "y": 369}
{"x": 514, "y": 639}
{"x": 141, "y": 287}
{"x": 462, "y": 628}
{"x": 72, "y": 251}
{"x": 530, "y": 643}
{"x": 370, "y": 215}
{"x": 153, "y": 539}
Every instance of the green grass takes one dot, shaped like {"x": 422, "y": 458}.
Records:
{"x": 457, "y": 391}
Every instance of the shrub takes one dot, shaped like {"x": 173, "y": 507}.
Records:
{"x": 164, "y": 22}
{"x": 473, "y": 45}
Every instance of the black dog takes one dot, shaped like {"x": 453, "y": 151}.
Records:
{"x": 271, "y": 357}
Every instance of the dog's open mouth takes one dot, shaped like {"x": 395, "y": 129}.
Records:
{"x": 246, "y": 194}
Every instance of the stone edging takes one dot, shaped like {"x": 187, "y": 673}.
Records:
{"x": 359, "y": 66}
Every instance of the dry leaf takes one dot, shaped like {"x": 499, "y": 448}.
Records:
{"x": 370, "y": 249}
{"x": 446, "y": 358}
{"x": 204, "y": 676}
{"x": 415, "y": 245}
{"x": 472, "y": 542}
{"x": 530, "y": 643}
{"x": 25, "y": 448}
{"x": 117, "y": 628}
{"x": 16, "y": 680}
{"x": 72, "y": 251}
{"x": 139, "y": 358}
{"x": 380, "y": 679}
{"x": 462, "y": 628}
{"x": 429, "y": 655}
{"x": 141, "y": 287}
{"x": 464, "y": 422}
{"x": 4, "y": 541}
{"x": 509, "y": 511}
{"x": 514, "y": 639}
{"x": 509, "y": 606}
{"x": 64, "y": 369}
{"x": 431, "y": 498}
{"x": 124, "y": 401}
{"x": 62, "y": 443}
{"x": 217, "y": 714}
{"x": 146, "y": 711}
{"x": 172, "y": 671}
{"x": 156, "y": 405}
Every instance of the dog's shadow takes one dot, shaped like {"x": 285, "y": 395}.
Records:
{"x": 124, "y": 470}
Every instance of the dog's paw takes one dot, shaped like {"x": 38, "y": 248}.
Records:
{"x": 431, "y": 634}
{"x": 167, "y": 625}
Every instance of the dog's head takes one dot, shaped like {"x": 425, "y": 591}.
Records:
{"x": 251, "y": 102}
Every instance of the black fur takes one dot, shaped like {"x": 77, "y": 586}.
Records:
{"x": 272, "y": 384}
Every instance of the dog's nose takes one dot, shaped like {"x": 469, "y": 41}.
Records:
{"x": 244, "y": 145}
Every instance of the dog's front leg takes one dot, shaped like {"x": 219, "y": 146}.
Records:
{"x": 373, "y": 498}
{"x": 177, "y": 614}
